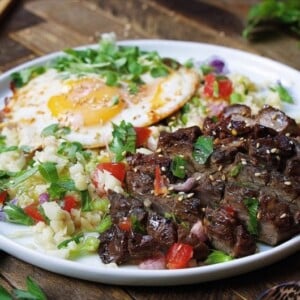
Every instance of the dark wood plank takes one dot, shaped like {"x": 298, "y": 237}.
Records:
{"x": 84, "y": 17}
{"x": 57, "y": 286}
{"x": 51, "y": 37}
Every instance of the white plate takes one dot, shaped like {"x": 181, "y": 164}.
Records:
{"x": 259, "y": 69}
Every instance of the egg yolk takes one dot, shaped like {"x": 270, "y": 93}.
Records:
{"x": 95, "y": 103}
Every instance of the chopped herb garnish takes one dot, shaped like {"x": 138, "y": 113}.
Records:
{"x": 178, "y": 166}
{"x": 136, "y": 225}
{"x": 236, "y": 98}
{"x": 85, "y": 247}
{"x": 216, "y": 257}
{"x": 283, "y": 93}
{"x": 101, "y": 205}
{"x": 17, "y": 215}
{"x": 159, "y": 71}
{"x": 86, "y": 201}
{"x": 71, "y": 149}
{"x": 4, "y": 147}
{"x": 21, "y": 78}
{"x": 203, "y": 148}
{"x": 58, "y": 186}
{"x": 75, "y": 239}
{"x": 206, "y": 69}
{"x": 124, "y": 140}
{"x": 235, "y": 170}
{"x": 20, "y": 177}
{"x": 55, "y": 130}
{"x": 104, "y": 224}
{"x": 189, "y": 63}
{"x": 252, "y": 207}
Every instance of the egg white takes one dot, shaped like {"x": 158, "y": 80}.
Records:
{"x": 158, "y": 98}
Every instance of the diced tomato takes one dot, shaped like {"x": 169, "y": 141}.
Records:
{"x": 217, "y": 87}
{"x": 142, "y": 135}
{"x": 125, "y": 224}
{"x": 179, "y": 255}
{"x": 70, "y": 202}
{"x": 33, "y": 212}
{"x": 118, "y": 170}
{"x": 3, "y": 196}
{"x": 159, "y": 184}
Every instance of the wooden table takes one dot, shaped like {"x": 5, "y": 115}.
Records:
{"x": 33, "y": 28}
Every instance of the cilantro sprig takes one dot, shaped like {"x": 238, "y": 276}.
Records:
{"x": 217, "y": 256}
{"x": 203, "y": 148}
{"x": 58, "y": 186}
{"x": 252, "y": 205}
{"x": 21, "y": 78}
{"x": 16, "y": 214}
{"x": 33, "y": 292}
{"x": 283, "y": 93}
{"x": 178, "y": 166}
{"x": 268, "y": 14}
{"x": 124, "y": 140}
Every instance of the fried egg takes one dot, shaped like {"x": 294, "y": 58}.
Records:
{"x": 89, "y": 107}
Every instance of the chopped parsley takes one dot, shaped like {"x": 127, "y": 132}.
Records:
{"x": 178, "y": 166}
{"x": 75, "y": 239}
{"x": 16, "y": 214}
{"x": 217, "y": 256}
{"x": 55, "y": 130}
{"x": 252, "y": 206}
{"x": 203, "y": 148}
{"x": 124, "y": 140}
{"x": 21, "y": 78}
{"x": 283, "y": 93}
{"x": 235, "y": 170}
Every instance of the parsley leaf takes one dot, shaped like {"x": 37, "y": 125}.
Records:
{"x": 235, "y": 170}
{"x": 252, "y": 207}
{"x": 178, "y": 166}
{"x": 70, "y": 149}
{"x": 75, "y": 239}
{"x": 269, "y": 13}
{"x": 19, "y": 177}
{"x": 86, "y": 201}
{"x": 21, "y": 78}
{"x": 124, "y": 140}
{"x": 283, "y": 93}
{"x": 105, "y": 224}
{"x": 58, "y": 186}
{"x": 217, "y": 256}
{"x": 17, "y": 215}
{"x": 33, "y": 292}
{"x": 203, "y": 148}
{"x": 55, "y": 130}
{"x": 4, "y": 294}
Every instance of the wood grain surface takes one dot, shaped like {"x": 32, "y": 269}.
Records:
{"x": 33, "y": 28}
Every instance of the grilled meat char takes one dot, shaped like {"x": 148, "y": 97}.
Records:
{"x": 254, "y": 157}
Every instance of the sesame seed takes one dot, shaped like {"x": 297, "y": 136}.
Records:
{"x": 181, "y": 156}
{"x": 283, "y": 216}
{"x": 287, "y": 183}
{"x": 181, "y": 167}
{"x": 135, "y": 170}
{"x": 274, "y": 150}
{"x": 244, "y": 162}
{"x": 268, "y": 151}
{"x": 171, "y": 188}
{"x": 223, "y": 177}
{"x": 257, "y": 174}
{"x": 160, "y": 155}
{"x": 287, "y": 134}
{"x": 257, "y": 145}
{"x": 258, "y": 216}
{"x": 234, "y": 132}
{"x": 220, "y": 168}
{"x": 181, "y": 193}
{"x": 180, "y": 198}
{"x": 158, "y": 150}
{"x": 199, "y": 177}
{"x": 190, "y": 195}
{"x": 163, "y": 169}
{"x": 211, "y": 177}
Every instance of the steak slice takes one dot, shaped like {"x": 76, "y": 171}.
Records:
{"x": 226, "y": 232}
{"x": 277, "y": 120}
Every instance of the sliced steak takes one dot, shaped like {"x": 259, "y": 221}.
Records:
{"x": 277, "y": 120}
{"x": 114, "y": 246}
{"x": 227, "y": 233}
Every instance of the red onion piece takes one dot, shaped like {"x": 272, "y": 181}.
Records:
{"x": 199, "y": 231}
{"x": 2, "y": 215}
{"x": 218, "y": 65}
{"x": 44, "y": 197}
{"x": 157, "y": 263}
{"x": 184, "y": 186}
